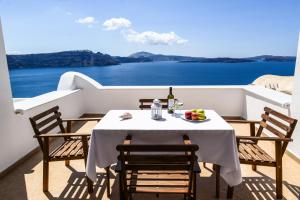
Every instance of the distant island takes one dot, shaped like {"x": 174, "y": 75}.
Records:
{"x": 88, "y": 58}
{"x": 62, "y": 59}
{"x": 161, "y": 57}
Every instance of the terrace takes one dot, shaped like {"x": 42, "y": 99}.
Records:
{"x": 76, "y": 94}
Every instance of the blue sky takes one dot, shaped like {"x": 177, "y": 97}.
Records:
{"x": 210, "y": 28}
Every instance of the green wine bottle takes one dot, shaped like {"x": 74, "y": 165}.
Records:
{"x": 170, "y": 101}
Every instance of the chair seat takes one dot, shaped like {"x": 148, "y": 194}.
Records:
{"x": 69, "y": 149}
{"x": 158, "y": 181}
{"x": 251, "y": 152}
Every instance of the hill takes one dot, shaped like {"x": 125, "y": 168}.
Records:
{"x": 161, "y": 57}
{"x": 63, "y": 59}
{"x": 132, "y": 59}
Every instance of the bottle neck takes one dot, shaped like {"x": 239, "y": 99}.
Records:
{"x": 170, "y": 91}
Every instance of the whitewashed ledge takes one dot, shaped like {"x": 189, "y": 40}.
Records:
{"x": 20, "y": 99}
{"x": 30, "y": 103}
{"x": 271, "y": 96}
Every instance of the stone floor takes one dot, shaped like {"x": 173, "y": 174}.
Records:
{"x": 25, "y": 181}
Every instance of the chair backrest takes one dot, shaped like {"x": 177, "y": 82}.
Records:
{"x": 157, "y": 157}
{"x": 46, "y": 121}
{"x": 135, "y": 157}
{"x": 146, "y": 103}
{"x": 277, "y": 123}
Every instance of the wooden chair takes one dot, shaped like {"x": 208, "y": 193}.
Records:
{"x": 251, "y": 153}
{"x": 146, "y": 103}
{"x": 142, "y": 171}
{"x": 74, "y": 145}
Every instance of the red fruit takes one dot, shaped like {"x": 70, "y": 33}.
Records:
{"x": 195, "y": 116}
{"x": 188, "y": 115}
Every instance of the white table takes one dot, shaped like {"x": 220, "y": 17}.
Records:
{"x": 215, "y": 137}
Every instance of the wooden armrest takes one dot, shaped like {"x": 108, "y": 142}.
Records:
{"x": 186, "y": 139}
{"x": 264, "y": 138}
{"x": 64, "y": 135}
{"x": 82, "y": 119}
{"x": 119, "y": 167}
{"x": 237, "y": 121}
{"x": 196, "y": 168}
{"x": 128, "y": 139}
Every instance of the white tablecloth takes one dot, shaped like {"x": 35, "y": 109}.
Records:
{"x": 215, "y": 137}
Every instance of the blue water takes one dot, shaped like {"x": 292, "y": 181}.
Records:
{"x": 31, "y": 82}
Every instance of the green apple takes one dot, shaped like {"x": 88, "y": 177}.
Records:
{"x": 201, "y": 117}
{"x": 200, "y": 111}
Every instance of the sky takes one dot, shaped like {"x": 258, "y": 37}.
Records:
{"x": 208, "y": 28}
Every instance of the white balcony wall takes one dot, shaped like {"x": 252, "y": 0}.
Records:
{"x": 225, "y": 100}
{"x": 295, "y": 107}
{"x": 245, "y": 101}
{"x": 258, "y": 97}
{"x": 6, "y": 107}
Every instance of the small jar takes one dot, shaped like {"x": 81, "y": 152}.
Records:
{"x": 156, "y": 109}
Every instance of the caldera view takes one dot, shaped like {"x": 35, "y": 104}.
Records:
{"x": 141, "y": 68}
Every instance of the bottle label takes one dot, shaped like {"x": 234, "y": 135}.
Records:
{"x": 170, "y": 103}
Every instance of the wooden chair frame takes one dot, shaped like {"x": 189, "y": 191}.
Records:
{"x": 131, "y": 162}
{"x": 282, "y": 128}
{"x": 75, "y": 145}
{"x": 146, "y": 103}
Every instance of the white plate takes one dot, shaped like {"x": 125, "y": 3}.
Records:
{"x": 194, "y": 121}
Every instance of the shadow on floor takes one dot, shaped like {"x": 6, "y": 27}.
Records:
{"x": 252, "y": 188}
{"x": 76, "y": 188}
{"x": 293, "y": 188}
{"x": 262, "y": 188}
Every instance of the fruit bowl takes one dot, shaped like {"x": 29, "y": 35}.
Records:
{"x": 195, "y": 121}
{"x": 195, "y": 115}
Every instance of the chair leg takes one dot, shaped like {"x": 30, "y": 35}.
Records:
{"x": 121, "y": 188}
{"x": 230, "y": 192}
{"x": 107, "y": 181}
{"x": 278, "y": 155}
{"x": 195, "y": 187}
{"x": 85, "y": 154}
{"x": 217, "y": 170}
{"x": 89, "y": 185}
{"x": 279, "y": 182}
{"x": 45, "y": 175}
{"x": 67, "y": 162}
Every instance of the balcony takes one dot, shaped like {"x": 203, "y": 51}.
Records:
{"x": 78, "y": 94}
{"x": 25, "y": 181}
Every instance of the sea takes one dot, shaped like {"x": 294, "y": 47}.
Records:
{"x": 30, "y": 82}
